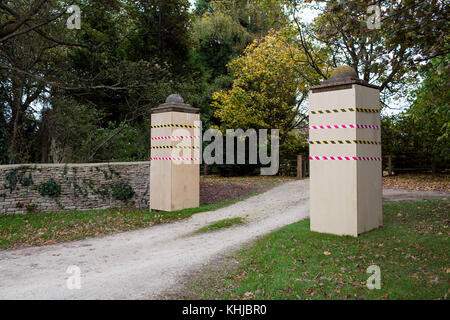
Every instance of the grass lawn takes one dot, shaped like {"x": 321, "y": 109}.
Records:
{"x": 222, "y": 224}
{"x": 36, "y": 229}
{"x": 295, "y": 263}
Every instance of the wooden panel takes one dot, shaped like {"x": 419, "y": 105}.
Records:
{"x": 176, "y": 184}
{"x": 345, "y": 195}
{"x": 161, "y": 171}
{"x": 370, "y": 210}
{"x": 186, "y": 177}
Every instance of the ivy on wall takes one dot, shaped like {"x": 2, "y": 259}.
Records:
{"x": 81, "y": 186}
{"x": 117, "y": 191}
{"x": 50, "y": 189}
{"x": 21, "y": 175}
{"x": 122, "y": 191}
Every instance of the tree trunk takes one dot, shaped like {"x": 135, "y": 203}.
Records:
{"x": 17, "y": 125}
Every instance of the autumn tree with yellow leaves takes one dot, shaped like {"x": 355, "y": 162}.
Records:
{"x": 272, "y": 79}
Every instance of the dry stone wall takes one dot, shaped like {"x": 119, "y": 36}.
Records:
{"x": 63, "y": 187}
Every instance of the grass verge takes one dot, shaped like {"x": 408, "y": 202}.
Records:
{"x": 37, "y": 229}
{"x": 295, "y": 263}
{"x": 222, "y": 224}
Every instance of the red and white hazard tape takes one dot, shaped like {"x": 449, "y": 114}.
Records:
{"x": 347, "y": 158}
{"x": 176, "y": 138}
{"x": 175, "y": 159}
{"x": 345, "y": 126}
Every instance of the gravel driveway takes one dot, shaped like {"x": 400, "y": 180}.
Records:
{"x": 144, "y": 263}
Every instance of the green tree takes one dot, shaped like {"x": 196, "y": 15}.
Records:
{"x": 137, "y": 49}
{"x": 219, "y": 38}
{"x": 27, "y": 31}
{"x": 430, "y": 114}
{"x": 411, "y": 31}
{"x": 202, "y": 6}
{"x": 224, "y": 28}
{"x": 116, "y": 62}
{"x": 71, "y": 131}
{"x": 418, "y": 138}
{"x": 161, "y": 31}
{"x": 221, "y": 32}
{"x": 23, "y": 17}
{"x": 3, "y": 137}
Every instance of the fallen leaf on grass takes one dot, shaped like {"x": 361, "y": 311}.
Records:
{"x": 435, "y": 280}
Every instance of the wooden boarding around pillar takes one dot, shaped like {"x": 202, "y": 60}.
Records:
{"x": 345, "y": 178}
{"x": 175, "y": 156}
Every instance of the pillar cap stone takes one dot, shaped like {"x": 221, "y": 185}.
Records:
{"x": 344, "y": 72}
{"x": 175, "y": 103}
{"x": 342, "y": 77}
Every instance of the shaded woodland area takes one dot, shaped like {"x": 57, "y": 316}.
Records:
{"x": 85, "y": 95}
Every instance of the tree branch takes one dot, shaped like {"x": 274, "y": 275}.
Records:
{"x": 14, "y": 26}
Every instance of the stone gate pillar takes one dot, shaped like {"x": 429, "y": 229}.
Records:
{"x": 345, "y": 155}
{"x": 175, "y": 156}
